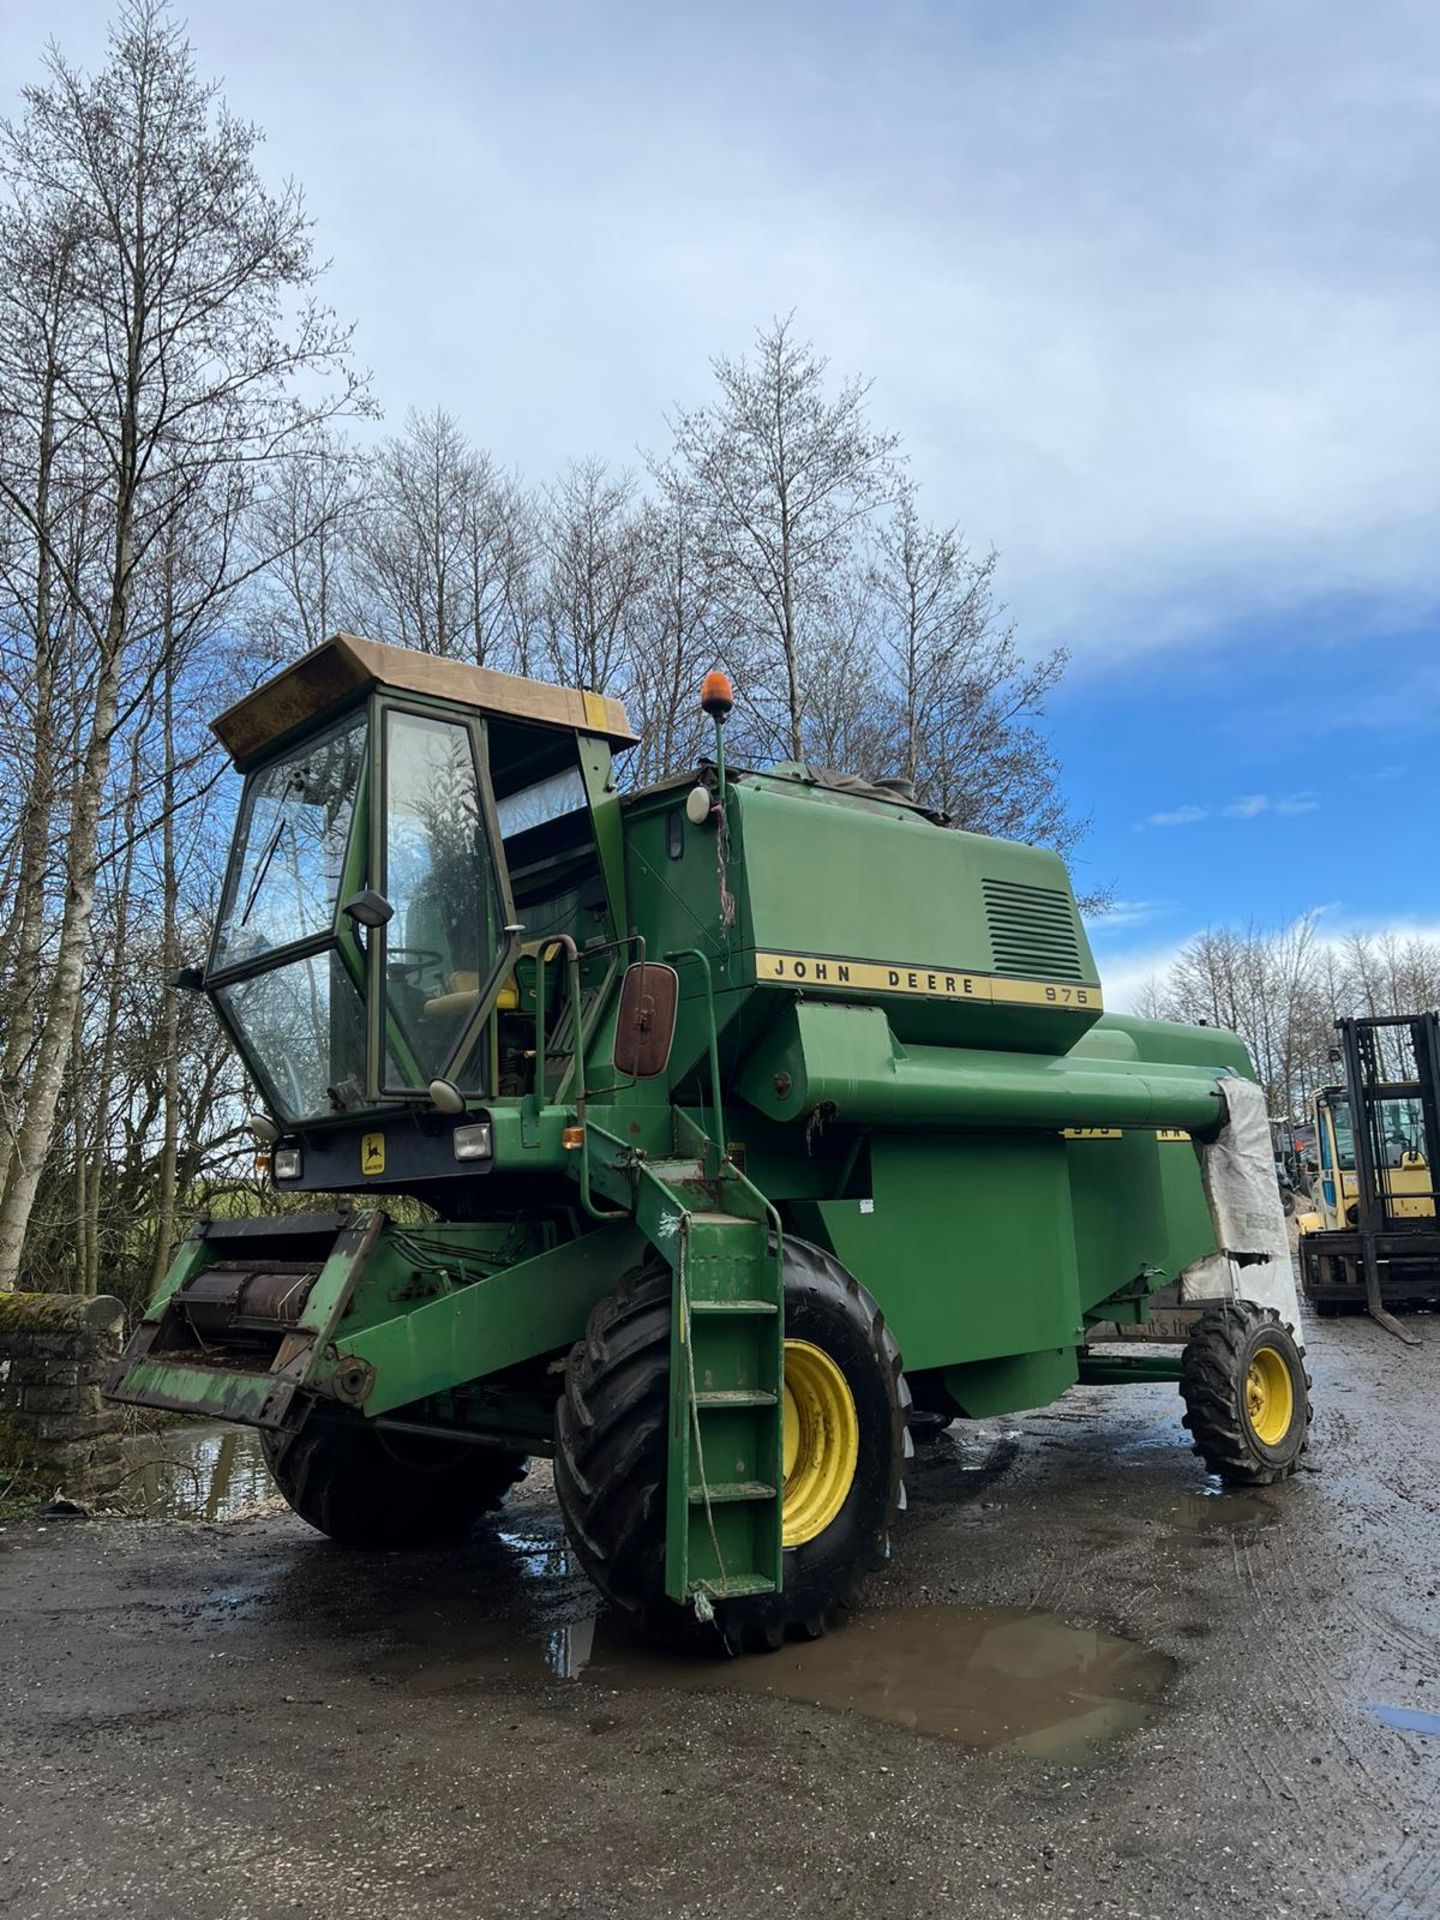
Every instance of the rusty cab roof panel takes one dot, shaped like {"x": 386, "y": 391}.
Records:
{"x": 336, "y": 674}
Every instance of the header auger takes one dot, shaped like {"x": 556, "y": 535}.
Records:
{"x": 755, "y": 1115}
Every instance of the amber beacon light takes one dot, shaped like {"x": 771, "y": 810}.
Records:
{"x": 717, "y": 696}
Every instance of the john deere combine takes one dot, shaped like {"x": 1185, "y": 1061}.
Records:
{"x": 733, "y": 1124}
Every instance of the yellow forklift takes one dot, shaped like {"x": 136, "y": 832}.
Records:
{"x": 1371, "y": 1240}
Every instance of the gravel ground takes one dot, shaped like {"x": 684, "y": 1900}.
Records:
{"x": 239, "y": 1720}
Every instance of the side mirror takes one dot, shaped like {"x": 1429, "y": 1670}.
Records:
{"x": 368, "y": 908}
{"x": 186, "y": 979}
{"x": 446, "y": 1097}
{"x": 645, "y": 1024}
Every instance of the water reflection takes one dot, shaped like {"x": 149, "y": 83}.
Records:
{"x": 983, "y": 1676}
{"x": 195, "y": 1471}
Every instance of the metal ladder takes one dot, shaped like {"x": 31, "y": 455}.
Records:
{"x": 726, "y": 1434}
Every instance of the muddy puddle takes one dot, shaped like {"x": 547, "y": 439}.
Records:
{"x": 515, "y": 1607}
{"x": 197, "y": 1471}
{"x": 1218, "y": 1510}
{"x": 992, "y": 1677}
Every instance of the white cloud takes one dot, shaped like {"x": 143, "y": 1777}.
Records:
{"x": 1149, "y": 291}
{"x": 1177, "y": 817}
{"x": 1250, "y": 806}
{"x": 1124, "y": 974}
{"x": 1125, "y": 913}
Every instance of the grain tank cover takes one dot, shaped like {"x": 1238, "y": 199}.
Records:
{"x": 346, "y": 668}
{"x": 967, "y": 940}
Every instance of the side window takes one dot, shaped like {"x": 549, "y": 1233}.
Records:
{"x": 442, "y": 941}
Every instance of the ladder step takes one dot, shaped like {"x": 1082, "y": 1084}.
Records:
{"x": 734, "y": 1397}
{"x": 733, "y": 1306}
{"x": 733, "y": 1587}
{"x": 723, "y": 1492}
{"x": 677, "y": 1172}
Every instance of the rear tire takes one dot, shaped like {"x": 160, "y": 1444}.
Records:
{"x": 610, "y": 1453}
{"x": 363, "y": 1487}
{"x": 1246, "y": 1393}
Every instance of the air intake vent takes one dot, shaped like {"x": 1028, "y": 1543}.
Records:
{"x": 1032, "y": 930}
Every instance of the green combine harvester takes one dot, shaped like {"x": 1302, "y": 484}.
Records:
{"x": 710, "y": 1139}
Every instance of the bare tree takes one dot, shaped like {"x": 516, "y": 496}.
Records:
{"x": 303, "y": 524}
{"x": 1282, "y": 991}
{"x": 966, "y": 702}
{"x": 792, "y": 473}
{"x": 187, "y": 284}
{"x": 595, "y": 572}
{"x": 681, "y": 628}
{"x": 442, "y": 546}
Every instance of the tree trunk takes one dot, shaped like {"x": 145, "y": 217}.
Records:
{"x": 117, "y": 945}
{"x": 28, "y": 917}
{"x": 792, "y": 665}
{"x": 170, "y": 959}
{"x": 86, "y": 1177}
{"x": 36, "y": 1129}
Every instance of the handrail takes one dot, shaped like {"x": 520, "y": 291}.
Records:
{"x": 694, "y": 953}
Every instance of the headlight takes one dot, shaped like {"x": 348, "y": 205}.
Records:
{"x": 286, "y": 1163}
{"x": 473, "y": 1142}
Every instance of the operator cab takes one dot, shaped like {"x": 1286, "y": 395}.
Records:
{"x": 1400, "y": 1138}
{"x": 416, "y": 843}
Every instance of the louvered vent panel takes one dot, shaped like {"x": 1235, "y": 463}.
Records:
{"x": 1032, "y": 930}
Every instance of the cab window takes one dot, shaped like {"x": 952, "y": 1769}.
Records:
{"x": 443, "y": 939}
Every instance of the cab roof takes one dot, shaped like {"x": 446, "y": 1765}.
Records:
{"x": 344, "y": 668}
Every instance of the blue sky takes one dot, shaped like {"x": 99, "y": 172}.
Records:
{"x": 1149, "y": 290}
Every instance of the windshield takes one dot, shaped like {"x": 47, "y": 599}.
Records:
{"x": 304, "y": 1023}
{"x": 290, "y": 847}
{"x": 1402, "y": 1133}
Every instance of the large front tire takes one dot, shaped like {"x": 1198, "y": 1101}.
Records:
{"x": 1246, "y": 1393}
{"x": 610, "y": 1454}
{"x": 364, "y": 1487}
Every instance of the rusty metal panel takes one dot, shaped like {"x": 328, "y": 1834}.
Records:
{"x": 346, "y": 667}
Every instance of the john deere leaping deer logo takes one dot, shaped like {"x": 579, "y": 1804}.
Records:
{"x": 372, "y": 1153}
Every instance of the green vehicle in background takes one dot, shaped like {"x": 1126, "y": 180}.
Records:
{"x": 753, "y": 1116}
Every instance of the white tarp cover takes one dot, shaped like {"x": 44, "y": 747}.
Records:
{"x": 1238, "y": 1169}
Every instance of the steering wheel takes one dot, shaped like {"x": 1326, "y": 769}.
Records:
{"x": 410, "y": 962}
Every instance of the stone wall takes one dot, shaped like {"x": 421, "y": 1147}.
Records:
{"x": 56, "y": 1434}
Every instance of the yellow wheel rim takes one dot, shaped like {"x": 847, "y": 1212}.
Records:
{"x": 1269, "y": 1396}
{"x": 822, "y": 1442}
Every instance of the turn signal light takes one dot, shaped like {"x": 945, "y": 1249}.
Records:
{"x": 572, "y": 1139}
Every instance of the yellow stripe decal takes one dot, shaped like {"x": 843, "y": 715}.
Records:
{"x": 597, "y": 712}
{"x": 931, "y": 983}
{"x": 1162, "y": 1134}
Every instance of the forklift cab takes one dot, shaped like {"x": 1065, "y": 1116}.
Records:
{"x": 1401, "y": 1165}
{"x": 417, "y": 843}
